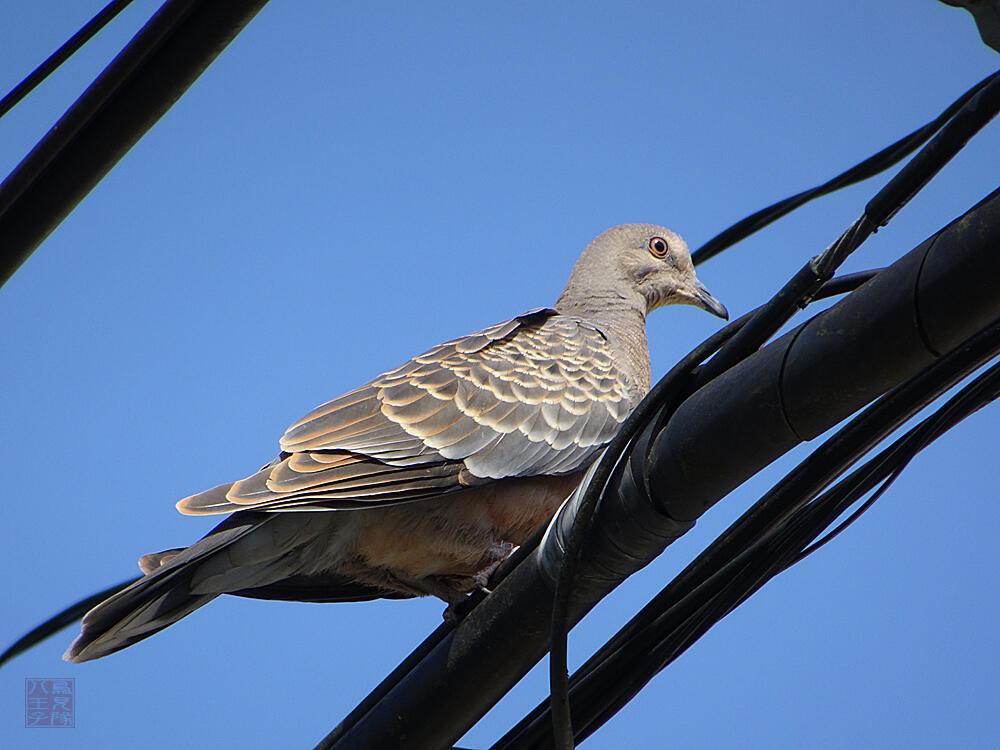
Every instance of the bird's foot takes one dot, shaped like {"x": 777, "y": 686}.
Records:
{"x": 482, "y": 578}
{"x": 500, "y": 550}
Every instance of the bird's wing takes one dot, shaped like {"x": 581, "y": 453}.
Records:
{"x": 538, "y": 394}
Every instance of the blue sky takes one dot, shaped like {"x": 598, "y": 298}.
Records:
{"x": 352, "y": 183}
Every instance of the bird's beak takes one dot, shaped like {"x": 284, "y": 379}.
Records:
{"x": 699, "y": 296}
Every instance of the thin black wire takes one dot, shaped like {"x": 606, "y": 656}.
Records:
{"x": 669, "y": 389}
{"x": 57, "y": 58}
{"x": 967, "y": 116}
{"x": 861, "y": 510}
{"x": 61, "y": 620}
{"x": 976, "y": 395}
{"x": 870, "y": 167}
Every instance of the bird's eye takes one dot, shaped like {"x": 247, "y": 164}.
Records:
{"x": 659, "y": 247}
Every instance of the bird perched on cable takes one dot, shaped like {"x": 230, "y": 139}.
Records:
{"x": 420, "y": 481}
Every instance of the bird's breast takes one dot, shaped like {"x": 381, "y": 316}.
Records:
{"x": 458, "y": 534}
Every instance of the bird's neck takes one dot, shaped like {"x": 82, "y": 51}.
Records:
{"x": 623, "y": 322}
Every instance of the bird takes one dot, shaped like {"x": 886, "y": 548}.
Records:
{"x": 422, "y": 480}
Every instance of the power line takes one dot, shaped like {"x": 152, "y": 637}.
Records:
{"x": 143, "y": 81}
{"x": 61, "y": 55}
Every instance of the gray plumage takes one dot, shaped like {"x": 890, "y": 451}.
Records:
{"x": 418, "y": 481}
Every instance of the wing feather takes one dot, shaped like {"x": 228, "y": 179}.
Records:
{"x": 538, "y": 394}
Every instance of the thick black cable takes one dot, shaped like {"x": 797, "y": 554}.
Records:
{"x": 691, "y": 603}
{"x": 870, "y": 167}
{"x": 670, "y": 388}
{"x": 61, "y": 55}
{"x": 696, "y": 621}
{"x": 137, "y": 87}
{"x": 741, "y": 572}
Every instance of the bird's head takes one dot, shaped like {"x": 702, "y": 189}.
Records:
{"x": 645, "y": 264}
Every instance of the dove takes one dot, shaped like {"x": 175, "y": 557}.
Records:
{"x": 421, "y": 481}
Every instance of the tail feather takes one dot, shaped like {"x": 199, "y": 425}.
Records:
{"x": 158, "y": 599}
{"x": 281, "y": 556}
{"x": 155, "y": 560}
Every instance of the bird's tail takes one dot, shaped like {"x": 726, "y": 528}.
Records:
{"x": 176, "y": 583}
{"x": 294, "y": 559}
